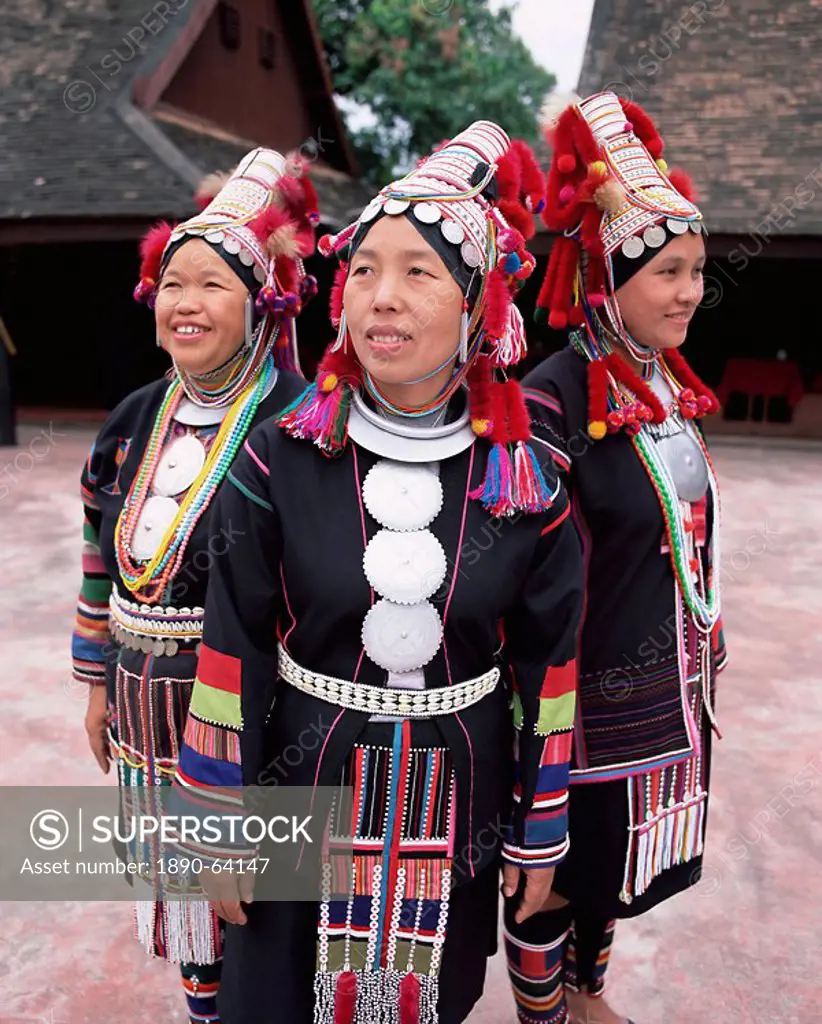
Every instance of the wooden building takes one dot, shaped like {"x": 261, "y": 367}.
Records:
{"x": 110, "y": 115}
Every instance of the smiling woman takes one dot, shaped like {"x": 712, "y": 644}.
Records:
{"x": 659, "y": 300}
{"x": 200, "y": 309}
{"x": 225, "y": 286}
{"x": 621, "y": 403}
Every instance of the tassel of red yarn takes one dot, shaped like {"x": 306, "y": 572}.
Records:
{"x": 345, "y": 998}
{"x": 336, "y": 301}
{"x": 595, "y": 283}
{"x": 497, "y": 304}
{"x": 597, "y": 399}
{"x": 566, "y": 253}
{"x": 480, "y": 397}
{"x": 409, "y": 1000}
{"x": 516, "y": 412}
{"x": 706, "y": 400}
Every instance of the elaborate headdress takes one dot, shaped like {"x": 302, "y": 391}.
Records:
{"x": 615, "y": 204}
{"x": 473, "y": 200}
{"x": 261, "y": 220}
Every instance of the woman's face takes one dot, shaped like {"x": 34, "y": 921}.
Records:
{"x": 200, "y": 308}
{"x": 657, "y": 303}
{"x": 402, "y": 305}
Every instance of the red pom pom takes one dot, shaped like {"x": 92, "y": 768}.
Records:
{"x": 566, "y": 194}
{"x": 628, "y": 126}
{"x": 558, "y": 320}
{"x": 566, "y": 163}
{"x": 576, "y": 317}
{"x": 596, "y": 299}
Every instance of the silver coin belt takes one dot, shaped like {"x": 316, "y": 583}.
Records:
{"x": 154, "y": 629}
{"x": 379, "y": 700}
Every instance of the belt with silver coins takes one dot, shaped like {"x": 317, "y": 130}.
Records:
{"x": 383, "y": 700}
{"x": 154, "y": 629}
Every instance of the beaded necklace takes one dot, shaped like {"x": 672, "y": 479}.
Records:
{"x": 704, "y": 606}
{"x": 241, "y": 377}
{"x": 148, "y": 581}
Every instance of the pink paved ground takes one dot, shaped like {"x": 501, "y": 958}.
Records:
{"x": 743, "y": 948}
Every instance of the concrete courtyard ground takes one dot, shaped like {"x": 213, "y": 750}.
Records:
{"x": 743, "y": 948}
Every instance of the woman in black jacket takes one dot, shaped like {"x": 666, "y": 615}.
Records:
{"x": 620, "y": 405}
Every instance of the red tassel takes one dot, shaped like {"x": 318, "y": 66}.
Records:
{"x": 409, "y": 1000}
{"x": 497, "y": 305}
{"x": 519, "y": 422}
{"x": 597, "y": 399}
{"x": 345, "y": 998}
{"x": 559, "y": 216}
{"x": 688, "y": 379}
{"x": 591, "y": 223}
{"x": 152, "y": 248}
{"x": 509, "y": 174}
{"x": 479, "y": 397}
{"x": 499, "y": 432}
{"x": 595, "y": 282}
{"x": 337, "y": 289}
{"x": 644, "y": 127}
{"x": 563, "y": 291}
{"x": 532, "y": 182}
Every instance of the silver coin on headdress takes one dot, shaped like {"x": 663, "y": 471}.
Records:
{"x": 452, "y": 231}
{"x": 654, "y": 236}
{"x": 427, "y": 213}
{"x": 371, "y": 211}
{"x": 471, "y": 255}
{"x": 394, "y": 207}
{"x": 676, "y": 227}
{"x": 633, "y": 248}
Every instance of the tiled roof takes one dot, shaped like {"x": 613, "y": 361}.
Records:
{"x": 72, "y": 142}
{"x": 733, "y": 86}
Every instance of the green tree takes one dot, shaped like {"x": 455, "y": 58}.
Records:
{"x": 425, "y": 69}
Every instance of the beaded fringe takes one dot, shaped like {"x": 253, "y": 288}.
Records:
{"x": 378, "y": 998}
{"x": 186, "y": 929}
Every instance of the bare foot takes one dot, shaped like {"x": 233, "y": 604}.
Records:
{"x": 587, "y": 1009}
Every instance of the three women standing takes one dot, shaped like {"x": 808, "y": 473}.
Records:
{"x": 225, "y": 287}
{"x": 620, "y": 404}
